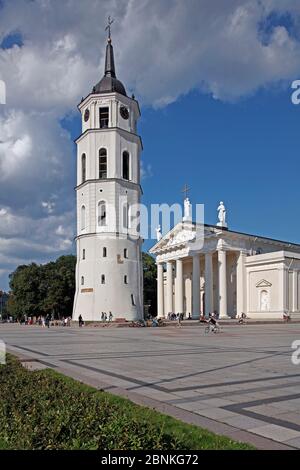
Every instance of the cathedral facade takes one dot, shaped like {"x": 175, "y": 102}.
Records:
{"x": 226, "y": 272}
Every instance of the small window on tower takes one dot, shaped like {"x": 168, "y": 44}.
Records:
{"x": 83, "y": 218}
{"x": 83, "y": 254}
{"x": 125, "y": 253}
{"x": 104, "y": 118}
{"x": 102, "y": 214}
{"x": 132, "y": 299}
{"x": 126, "y": 216}
{"x": 102, "y": 164}
{"x": 82, "y": 280}
{"x": 125, "y": 280}
{"x": 102, "y": 279}
{"x": 126, "y": 159}
{"x": 83, "y": 168}
{"x": 104, "y": 252}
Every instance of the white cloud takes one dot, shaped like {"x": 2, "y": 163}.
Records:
{"x": 24, "y": 239}
{"x": 49, "y": 206}
{"x": 146, "y": 170}
{"x": 36, "y": 164}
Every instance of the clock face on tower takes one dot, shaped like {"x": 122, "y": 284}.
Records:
{"x": 86, "y": 115}
{"x": 124, "y": 112}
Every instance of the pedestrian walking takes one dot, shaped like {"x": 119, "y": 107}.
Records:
{"x": 47, "y": 321}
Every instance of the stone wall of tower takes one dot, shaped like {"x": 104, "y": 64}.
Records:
{"x": 121, "y": 268}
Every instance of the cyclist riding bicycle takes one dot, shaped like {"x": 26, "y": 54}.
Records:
{"x": 213, "y": 324}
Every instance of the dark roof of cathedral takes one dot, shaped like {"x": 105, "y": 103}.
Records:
{"x": 109, "y": 83}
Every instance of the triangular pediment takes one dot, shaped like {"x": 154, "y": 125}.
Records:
{"x": 183, "y": 234}
{"x": 263, "y": 283}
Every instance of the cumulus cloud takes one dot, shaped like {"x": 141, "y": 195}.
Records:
{"x": 163, "y": 50}
{"x": 36, "y": 164}
{"x": 24, "y": 239}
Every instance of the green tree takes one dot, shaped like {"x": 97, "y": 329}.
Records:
{"x": 150, "y": 275}
{"x": 59, "y": 283}
{"x": 25, "y": 289}
{"x": 39, "y": 290}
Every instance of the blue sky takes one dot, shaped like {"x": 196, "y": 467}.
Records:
{"x": 216, "y": 111}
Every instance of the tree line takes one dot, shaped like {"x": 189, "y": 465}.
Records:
{"x": 39, "y": 290}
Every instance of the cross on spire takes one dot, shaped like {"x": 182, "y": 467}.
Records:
{"x": 108, "y": 27}
{"x": 186, "y": 190}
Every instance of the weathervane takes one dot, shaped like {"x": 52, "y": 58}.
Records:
{"x": 186, "y": 190}
{"x": 108, "y": 27}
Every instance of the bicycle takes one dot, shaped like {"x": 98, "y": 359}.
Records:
{"x": 212, "y": 329}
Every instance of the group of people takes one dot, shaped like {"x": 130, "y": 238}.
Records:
{"x": 46, "y": 321}
{"x": 105, "y": 318}
{"x": 175, "y": 316}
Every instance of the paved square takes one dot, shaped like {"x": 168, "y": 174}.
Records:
{"x": 243, "y": 378}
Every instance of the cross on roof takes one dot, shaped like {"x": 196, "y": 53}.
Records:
{"x": 186, "y": 190}
{"x": 108, "y": 27}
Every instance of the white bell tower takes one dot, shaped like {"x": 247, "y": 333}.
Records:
{"x": 109, "y": 275}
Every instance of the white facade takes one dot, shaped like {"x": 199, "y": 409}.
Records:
{"x": 109, "y": 259}
{"x": 228, "y": 273}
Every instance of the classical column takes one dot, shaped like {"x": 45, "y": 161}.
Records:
{"x": 283, "y": 291}
{"x": 209, "y": 284}
{"x": 160, "y": 290}
{"x": 222, "y": 284}
{"x": 241, "y": 284}
{"x": 295, "y": 291}
{"x": 169, "y": 299}
{"x": 179, "y": 286}
{"x": 196, "y": 287}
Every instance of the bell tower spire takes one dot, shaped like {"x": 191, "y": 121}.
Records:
{"x": 109, "y": 83}
{"x": 109, "y": 70}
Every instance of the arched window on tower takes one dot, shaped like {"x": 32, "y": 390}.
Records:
{"x": 126, "y": 216}
{"x": 126, "y": 166}
{"x": 102, "y": 214}
{"x": 102, "y": 164}
{"x": 82, "y": 217}
{"x": 83, "y": 168}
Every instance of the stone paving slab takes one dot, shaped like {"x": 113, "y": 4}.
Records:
{"x": 243, "y": 422}
{"x": 291, "y": 417}
{"x": 216, "y": 413}
{"x": 275, "y": 432}
{"x": 268, "y": 410}
{"x": 294, "y": 442}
